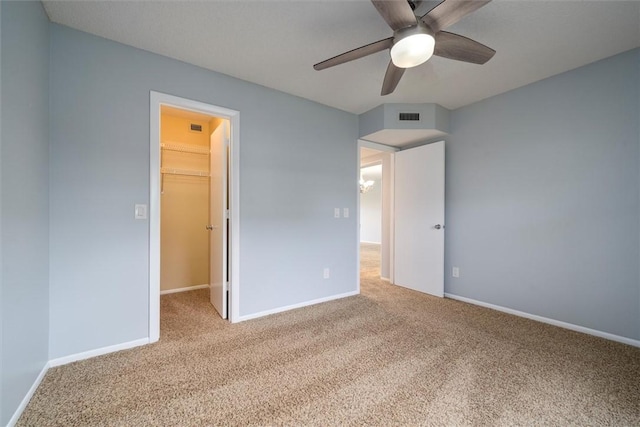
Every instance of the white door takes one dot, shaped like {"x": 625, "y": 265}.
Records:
{"x": 419, "y": 219}
{"x": 218, "y": 219}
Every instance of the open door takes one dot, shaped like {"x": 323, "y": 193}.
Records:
{"x": 218, "y": 219}
{"x": 419, "y": 219}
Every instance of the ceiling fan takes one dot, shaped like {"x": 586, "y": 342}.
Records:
{"x": 416, "y": 38}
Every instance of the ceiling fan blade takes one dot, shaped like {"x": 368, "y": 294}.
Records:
{"x": 357, "y": 53}
{"x": 460, "y": 48}
{"x": 449, "y": 12}
{"x": 397, "y": 13}
{"x": 391, "y": 79}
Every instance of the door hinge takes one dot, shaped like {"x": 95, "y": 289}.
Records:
{"x": 226, "y": 214}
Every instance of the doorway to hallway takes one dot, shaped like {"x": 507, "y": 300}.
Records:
{"x": 412, "y": 237}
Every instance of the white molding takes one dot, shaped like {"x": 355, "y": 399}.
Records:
{"x": 234, "y": 207}
{"x": 561, "y": 324}
{"x": 25, "y": 401}
{"x": 97, "y": 352}
{"x": 154, "y": 215}
{"x": 185, "y": 289}
{"x": 299, "y": 305}
{"x": 370, "y": 243}
{"x": 386, "y": 279}
{"x": 377, "y": 146}
{"x": 66, "y": 360}
{"x": 358, "y": 224}
{"x": 156, "y": 100}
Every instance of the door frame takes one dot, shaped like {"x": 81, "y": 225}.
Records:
{"x": 391, "y": 150}
{"x": 156, "y": 100}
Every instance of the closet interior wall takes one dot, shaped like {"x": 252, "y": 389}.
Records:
{"x": 184, "y": 201}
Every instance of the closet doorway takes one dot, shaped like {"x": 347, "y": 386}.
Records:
{"x": 193, "y": 204}
{"x": 193, "y": 235}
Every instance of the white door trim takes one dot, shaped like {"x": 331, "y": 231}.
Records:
{"x": 376, "y": 146}
{"x": 357, "y": 178}
{"x": 156, "y": 100}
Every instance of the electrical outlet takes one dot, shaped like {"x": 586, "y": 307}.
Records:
{"x": 325, "y": 273}
{"x": 455, "y": 272}
{"x": 336, "y": 212}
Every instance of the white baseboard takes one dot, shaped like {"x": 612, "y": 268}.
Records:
{"x": 97, "y": 352}
{"x": 136, "y": 343}
{"x": 386, "y": 279}
{"x": 188, "y": 288}
{"x": 565, "y": 325}
{"x": 370, "y": 243}
{"x": 25, "y": 401}
{"x": 294, "y": 306}
{"x": 63, "y": 361}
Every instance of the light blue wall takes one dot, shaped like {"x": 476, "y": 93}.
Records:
{"x": 24, "y": 192}
{"x": 542, "y": 189}
{"x": 297, "y": 162}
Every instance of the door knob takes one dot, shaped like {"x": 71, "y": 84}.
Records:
{"x": 210, "y": 227}
{"x": 438, "y": 226}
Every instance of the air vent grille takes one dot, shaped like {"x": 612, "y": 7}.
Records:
{"x": 196, "y": 128}
{"x": 409, "y": 116}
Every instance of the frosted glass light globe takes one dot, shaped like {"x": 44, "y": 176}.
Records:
{"x": 412, "y": 50}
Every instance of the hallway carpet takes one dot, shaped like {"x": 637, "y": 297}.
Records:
{"x": 389, "y": 356}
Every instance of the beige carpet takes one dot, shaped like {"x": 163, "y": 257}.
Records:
{"x": 387, "y": 357}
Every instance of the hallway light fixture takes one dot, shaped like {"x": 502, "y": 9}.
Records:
{"x": 365, "y": 185}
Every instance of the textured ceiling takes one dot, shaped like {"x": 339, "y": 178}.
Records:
{"x": 275, "y": 43}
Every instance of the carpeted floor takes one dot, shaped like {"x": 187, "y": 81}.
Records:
{"x": 389, "y": 356}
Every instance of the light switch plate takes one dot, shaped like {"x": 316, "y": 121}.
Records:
{"x": 336, "y": 212}
{"x": 141, "y": 212}
{"x": 345, "y": 212}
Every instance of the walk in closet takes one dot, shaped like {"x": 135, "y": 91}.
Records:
{"x": 184, "y": 166}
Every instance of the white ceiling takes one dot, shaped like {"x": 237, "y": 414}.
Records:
{"x": 274, "y": 43}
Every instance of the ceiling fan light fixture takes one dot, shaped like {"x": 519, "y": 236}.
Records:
{"x": 412, "y": 46}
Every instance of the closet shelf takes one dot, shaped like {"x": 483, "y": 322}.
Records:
{"x": 184, "y": 148}
{"x": 189, "y": 172}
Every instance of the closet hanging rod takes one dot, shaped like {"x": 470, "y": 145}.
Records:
{"x": 189, "y": 172}
{"x": 185, "y": 148}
